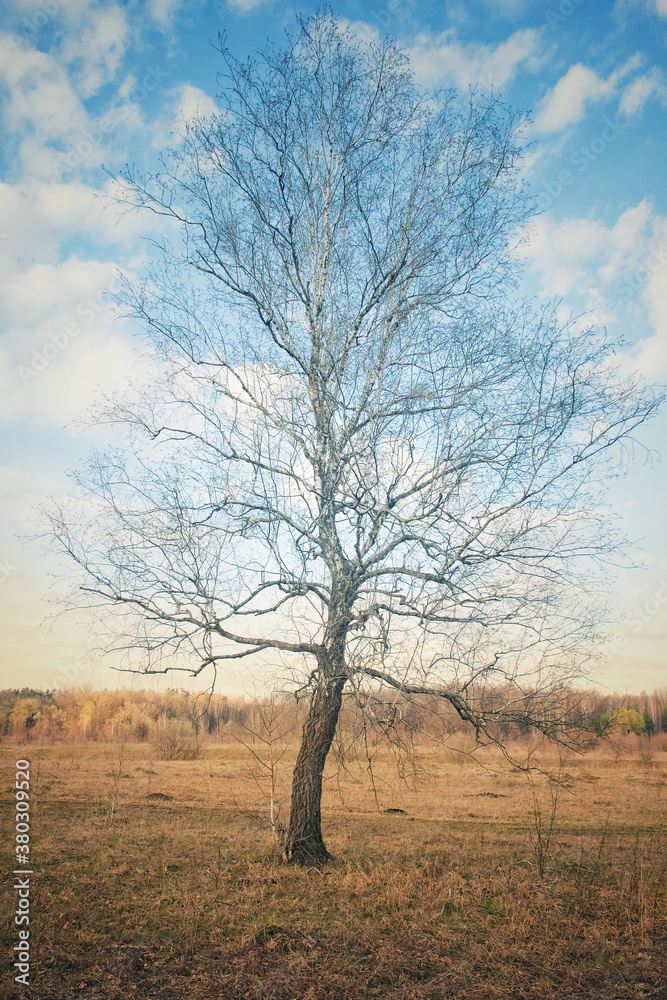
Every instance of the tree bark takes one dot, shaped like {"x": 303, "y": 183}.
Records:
{"x": 304, "y": 843}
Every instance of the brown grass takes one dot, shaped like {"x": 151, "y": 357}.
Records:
{"x": 160, "y": 879}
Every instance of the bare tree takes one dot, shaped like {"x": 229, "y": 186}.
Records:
{"x": 360, "y": 449}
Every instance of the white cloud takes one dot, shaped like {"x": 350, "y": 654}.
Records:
{"x": 42, "y": 94}
{"x": 44, "y": 116}
{"x": 580, "y": 252}
{"x": 96, "y": 50}
{"x": 39, "y": 96}
{"x": 185, "y": 102}
{"x": 635, "y": 96}
{"x": 444, "y": 59}
{"x": 247, "y": 6}
{"x": 45, "y": 289}
{"x": 565, "y": 104}
{"x": 651, "y": 354}
{"x": 364, "y": 31}
{"x": 38, "y": 217}
{"x": 620, "y": 271}
{"x": 164, "y": 11}
{"x": 658, "y": 7}
{"x": 53, "y": 375}
{"x": 44, "y": 89}
{"x": 557, "y": 252}
{"x": 68, "y": 388}
{"x": 193, "y": 101}
{"x": 61, "y": 339}
{"x": 20, "y": 491}
{"x": 626, "y": 242}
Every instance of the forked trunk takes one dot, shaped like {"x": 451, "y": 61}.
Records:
{"x": 304, "y": 842}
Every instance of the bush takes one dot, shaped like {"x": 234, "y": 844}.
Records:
{"x": 175, "y": 740}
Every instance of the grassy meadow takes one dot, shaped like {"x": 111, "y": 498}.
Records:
{"x": 161, "y": 878}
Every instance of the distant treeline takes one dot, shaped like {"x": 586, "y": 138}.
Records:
{"x": 73, "y": 714}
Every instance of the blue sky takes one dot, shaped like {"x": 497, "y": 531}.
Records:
{"x": 84, "y": 84}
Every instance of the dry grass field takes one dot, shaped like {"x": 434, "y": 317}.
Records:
{"x": 161, "y": 879}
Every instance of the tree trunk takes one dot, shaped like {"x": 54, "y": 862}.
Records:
{"x": 304, "y": 842}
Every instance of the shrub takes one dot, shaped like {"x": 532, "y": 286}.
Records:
{"x": 175, "y": 740}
